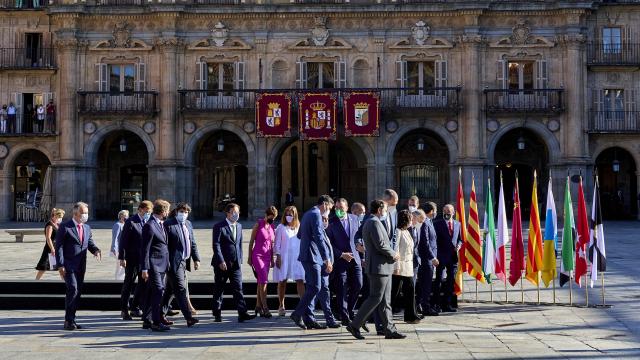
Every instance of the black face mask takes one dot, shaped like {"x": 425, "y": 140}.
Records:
{"x": 270, "y": 221}
{"x": 447, "y": 217}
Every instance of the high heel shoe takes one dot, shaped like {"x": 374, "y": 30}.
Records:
{"x": 267, "y": 314}
{"x": 282, "y": 312}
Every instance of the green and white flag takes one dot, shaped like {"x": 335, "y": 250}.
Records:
{"x": 489, "y": 244}
{"x": 567, "y": 265}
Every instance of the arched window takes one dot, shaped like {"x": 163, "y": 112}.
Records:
{"x": 420, "y": 180}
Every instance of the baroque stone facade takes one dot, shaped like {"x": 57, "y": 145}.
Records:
{"x": 174, "y": 83}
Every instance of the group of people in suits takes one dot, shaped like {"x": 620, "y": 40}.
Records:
{"x": 376, "y": 255}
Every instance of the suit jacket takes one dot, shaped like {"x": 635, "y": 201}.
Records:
{"x": 393, "y": 219}
{"x": 155, "y": 249}
{"x": 447, "y": 244}
{"x": 225, "y": 248}
{"x": 176, "y": 243}
{"x": 131, "y": 240}
{"x": 342, "y": 242}
{"x": 69, "y": 252}
{"x": 428, "y": 247}
{"x": 415, "y": 235}
{"x": 379, "y": 255}
{"x": 312, "y": 238}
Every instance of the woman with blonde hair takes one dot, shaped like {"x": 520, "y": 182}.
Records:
{"x": 50, "y": 230}
{"x": 286, "y": 249}
{"x": 116, "y": 230}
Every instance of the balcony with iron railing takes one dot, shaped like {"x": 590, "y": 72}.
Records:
{"x": 23, "y": 4}
{"x": 531, "y": 101}
{"x": 446, "y": 99}
{"x": 602, "y": 54}
{"x": 27, "y": 58}
{"x": 235, "y": 2}
{"x": 614, "y": 121}
{"x": 121, "y": 102}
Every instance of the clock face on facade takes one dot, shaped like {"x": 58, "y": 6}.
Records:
{"x": 4, "y": 151}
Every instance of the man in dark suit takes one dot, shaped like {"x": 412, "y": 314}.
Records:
{"x": 428, "y": 251}
{"x": 347, "y": 267}
{"x": 72, "y": 242}
{"x": 379, "y": 266}
{"x": 449, "y": 242}
{"x": 154, "y": 263}
{"x": 226, "y": 261}
{"x": 182, "y": 248}
{"x": 129, "y": 256}
{"x": 314, "y": 253}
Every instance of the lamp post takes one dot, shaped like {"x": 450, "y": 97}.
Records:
{"x": 123, "y": 145}
{"x": 420, "y": 144}
{"x": 220, "y": 145}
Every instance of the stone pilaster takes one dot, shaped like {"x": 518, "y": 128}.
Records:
{"x": 470, "y": 135}
{"x": 67, "y": 48}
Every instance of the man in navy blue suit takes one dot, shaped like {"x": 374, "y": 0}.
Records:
{"x": 449, "y": 242}
{"x": 129, "y": 256}
{"x": 314, "y": 256}
{"x": 72, "y": 242}
{"x": 347, "y": 267}
{"x": 226, "y": 261}
{"x": 154, "y": 263}
{"x": 182, "y": 248}
{"x": 428, "y": 252}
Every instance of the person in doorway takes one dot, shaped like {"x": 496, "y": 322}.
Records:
{"x": 49, "y": 250}
{"x": 51, "y": 117}
{"x": 261, "y": 257}
{"x": 11, "y": 118}
{"x": 39, "y": 119}
{"x": 286, "y": 249}
{"x": 27, "y": 121}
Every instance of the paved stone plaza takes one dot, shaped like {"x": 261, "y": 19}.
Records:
{"x": 479, "y": 330}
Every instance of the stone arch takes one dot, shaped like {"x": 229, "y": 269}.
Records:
{"x": 601, "y": 147}
{"x": 202, "y": 133}
{"x": 432, "y": 126}
{"x": 18, "y": 149}
{"x": 282, "y": 144}
{"x": 360, "y": 72}
{"x": 549, "y": 139}
{"x": 96, "y": 139}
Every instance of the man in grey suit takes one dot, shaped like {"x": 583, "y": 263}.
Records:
{"x": 379, "y": 265}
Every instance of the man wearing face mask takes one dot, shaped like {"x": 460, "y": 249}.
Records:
{"x": 182, "y": 248}
{"x": 428, "y": 250}
{"x": 342, "y": 231}
{"x": 129, "y": 256}
{"x": 449, "y": 242}
{"x": 73, "y": 239}
{"x": 314, "y": 255}
{"x": 413, "y": 204}
{"x": 154, "y": 264}
{"x": 226, "y": 261}
{"x": 379, "y": 266}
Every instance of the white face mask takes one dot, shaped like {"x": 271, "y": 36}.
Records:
{"x": 412, "y": 209}
{"x": 289, "y": 219}
{"x": 181, "y": 216}
{"x": 325, "y": 213}
{"x": 84, "y": 218}
{"x": 58, "y": 221}
{"x": 384, "y": 215}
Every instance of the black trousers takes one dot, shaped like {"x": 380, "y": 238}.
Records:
{"x": 408, "y": 295}
{"x": 129, "y": 286}
{"x": 234, "y": 276}
{"x": 177, "y": 287}
{"x": 425, "y": 282}
{"x": 74, "y": 282}
{"x": 446, "y": 287}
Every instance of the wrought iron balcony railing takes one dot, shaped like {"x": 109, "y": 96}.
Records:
{"x": 27, "y": 58}
{"x": 614, "y": 121}
{"x": 434, "y": 99}
{"x": 543, "y": 101}
{"x": 133, "y": 102}
{"x": 602, "y": 54}
{"x": 23, "y": 4}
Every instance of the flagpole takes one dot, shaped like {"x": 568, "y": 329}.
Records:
{"x": 506, "y": 291}
{"x": 570, "y": 287}
{"x": 476, "y": 290}
{"x": 603, "y": 302}
{"x": 554, "y": 291}
{"x": 586, "y": 289}
{"x": 491, "y": 293}
{"x": 538, "y": 276}
{"x": 521, "y": 287}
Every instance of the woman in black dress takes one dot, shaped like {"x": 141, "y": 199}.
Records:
{"x": 50, "y": 230}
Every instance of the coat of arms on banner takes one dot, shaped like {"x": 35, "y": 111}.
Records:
{"x": 274, "y": 115}
{"x": 318, "y": 117}
{"x": 361, "y": 114}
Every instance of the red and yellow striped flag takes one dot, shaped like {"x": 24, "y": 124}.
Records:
{"x": 534, "y": 246}
{"x": 473, "y": 247}
{"x": 460, "y": 216}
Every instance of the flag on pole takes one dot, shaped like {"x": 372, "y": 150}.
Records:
{"x": 582, "y": 224}
{"x": 596, "y": 241}
{"x": 516, "y": 265}
{"x": 534, "y": 243}
{"x": 568, "y": 235}
{"x": 502, "y": 238}
{"x": 473, "y": 247}
{"x": 460, "y": 216}
{"x": 550, "y": 237}
{"x": 489, "y": 245}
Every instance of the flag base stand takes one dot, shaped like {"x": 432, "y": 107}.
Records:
{"x": 603, "y": 306}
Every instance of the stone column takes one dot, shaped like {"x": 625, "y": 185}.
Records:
{"x": 470, "y": 139}
{"x": 575, "y": 84}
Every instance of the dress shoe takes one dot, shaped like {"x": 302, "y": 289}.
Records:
{"x": 282, "y": 312}
{"x": 430, "y": 312}
{"x": 345, "y": 322}
{"x": 395, "y": 335}
{"x": 217, "y": 318}
{"x": 69, "y": 326}
{"x": 379, "y": 332}
{"x": 412, "y": 321}
{"x": 245, "y": 316}
{"x": 334, "y": 325}
{"x": 298, "y": 321}
{"x": 172, "y": 312}
{"x": 449, "y": 309}
{"x": 146, "y": 325}
{"x": 125, "y": 316}
{"x": 315, "y": 326}
{"x": 136, "y": 313}
{"x": 192, "y": 321}
{"x": 160, "y": 327}
{"x": 355, "y": 332}
{"x": 365, "y": 327}
{"x": 267, "y": 315}
{"x": 166, "y": 322}
{"x": 77, "y": 326}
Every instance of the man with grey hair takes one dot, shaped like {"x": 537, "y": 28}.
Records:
{"x": 73, "y": 239}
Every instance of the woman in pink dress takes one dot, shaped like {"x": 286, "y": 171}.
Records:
{"x": 261, "y": 257}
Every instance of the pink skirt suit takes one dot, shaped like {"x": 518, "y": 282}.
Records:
{"x": 263, "y": 251}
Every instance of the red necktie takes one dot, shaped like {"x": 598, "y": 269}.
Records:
{"x": 80, "y": 234}
{"x": 450, "y": 228}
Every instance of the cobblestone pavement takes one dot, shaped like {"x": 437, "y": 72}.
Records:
{"x": 480, "y": 330}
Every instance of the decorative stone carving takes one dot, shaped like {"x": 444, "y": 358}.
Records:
{"x": 571, "y": 39}
{"x": 392, "y": 126}
{"x": 421, "y": 32}
{"x": 189, "y": 127}
{"x": 471, "y": 39}
{"x": 169, "y": 43}
{"x": 493, "y": 125}
{"x": 219, "y": 34}
{"x": 521, "y": 33}
{"x": 249, "y": 127}
{"x": 90, "y": 128}
{"x": 613, "y": 77}
{"x": 149, "y": 127}
{"x": 68, "y": 43}
{"x": 320, "y": 33}
{"x": 121, "y": 36}
{"x": 521, "y": 37}
{"x": 451, "y": 125}
{"x": 553, "y": 125}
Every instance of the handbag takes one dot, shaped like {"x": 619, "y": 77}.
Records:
{"x": 119, "y": 272}
{"x": 52, "y": 262}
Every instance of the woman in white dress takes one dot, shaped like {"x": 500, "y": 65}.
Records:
{"x": 287, "y": 249}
